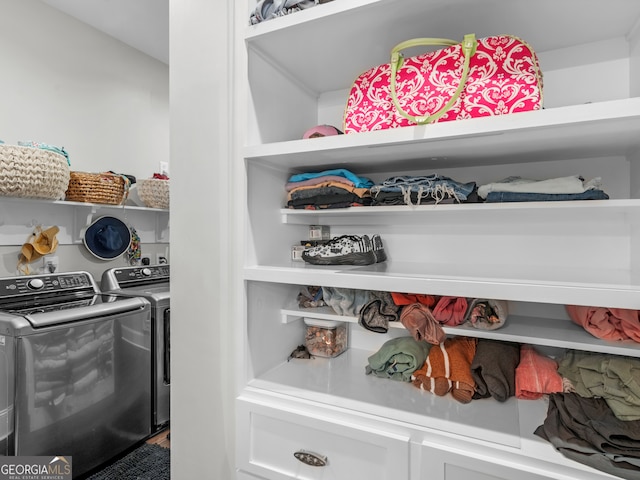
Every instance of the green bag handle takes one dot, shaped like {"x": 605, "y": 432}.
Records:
{"x": 469, "y": 46}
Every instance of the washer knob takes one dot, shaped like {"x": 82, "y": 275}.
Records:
{"x": 146, "y": 272}
{"x": 35, "y": 284}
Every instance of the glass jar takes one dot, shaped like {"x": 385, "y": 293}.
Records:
{"x": 326, "y": 338}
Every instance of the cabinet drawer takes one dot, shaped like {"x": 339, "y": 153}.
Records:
{"x": 480, "y": 463}
{"x": 269, "y": 437}
{"x": 240, "y": 475}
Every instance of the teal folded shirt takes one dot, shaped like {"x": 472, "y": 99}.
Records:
{"x": 358, "y": 182}
{"x": 398, "y": 358}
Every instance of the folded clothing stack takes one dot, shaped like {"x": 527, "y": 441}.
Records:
{"x": 585, "y": 430}
{"x": 268, "y": 9}
{"x": 337, "y": 188}
{"x": 422, "y": 190}
{"x": 424, "y": 315}
{"x": 518, "y": 189}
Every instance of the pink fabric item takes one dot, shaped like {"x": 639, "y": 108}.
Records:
{"x": 321, "y": 131}
{"x": 504, "y": 77}
{"x": 536, "y": 375}
{"x": 418, "y": 319}
{"x": 607, "y": 323}
{"x": 450, "y": 311}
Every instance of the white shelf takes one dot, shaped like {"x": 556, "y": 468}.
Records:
{"x": 580, "y": 131}
{"x": 578, "y": 210}
{"x": 18, "y": 216}
{"x": 83, "y": 205}
{"x": 341, "y": 381}
{"x": 545, "y": 332}
{"x": 351, "y": 36}
{"x": 580, "y": 286}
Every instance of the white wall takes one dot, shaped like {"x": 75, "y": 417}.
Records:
{"x": 67, "y": 84}
{"x": 204, "y": 277}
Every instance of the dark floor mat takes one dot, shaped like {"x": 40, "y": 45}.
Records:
{"x": 147, "y": 462}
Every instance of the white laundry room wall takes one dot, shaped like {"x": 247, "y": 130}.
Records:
{"x": 67, "y": 84}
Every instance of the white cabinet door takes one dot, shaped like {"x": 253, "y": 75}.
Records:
{"x": 240, "y": 475}
{"x": 269, "y": 439}
{"x": 481, "y": 463}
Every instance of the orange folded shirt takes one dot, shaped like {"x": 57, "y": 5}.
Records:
{"x": 536, "y": 375}
{"x": 448, "y": 369}
{"x": 409, "y": 298}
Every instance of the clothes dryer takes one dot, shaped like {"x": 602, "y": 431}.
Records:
{"x": 152, "y": 283}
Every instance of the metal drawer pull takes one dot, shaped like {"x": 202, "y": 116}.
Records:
{"x": 309, "y": 458}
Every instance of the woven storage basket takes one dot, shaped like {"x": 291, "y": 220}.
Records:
{"x": 154, "y": 192}
{"x": 32, "y": 173}
{"x": 96, "y": 188}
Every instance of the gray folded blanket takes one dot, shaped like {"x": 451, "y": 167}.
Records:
{"x": 398, "y": 358}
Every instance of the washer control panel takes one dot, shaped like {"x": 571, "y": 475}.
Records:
{"x": 126, "y": 276}
{"x": 29, "y": 285}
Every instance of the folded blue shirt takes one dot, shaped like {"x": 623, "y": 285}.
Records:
{"x": 359, "y": 182}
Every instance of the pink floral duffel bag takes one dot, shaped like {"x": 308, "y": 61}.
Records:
{"x": 476, "y": 78}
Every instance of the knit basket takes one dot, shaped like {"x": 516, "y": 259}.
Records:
{"x": 30, "y": 172}
{"x": 104, "y": 188}
{"x": 154, "y": 192}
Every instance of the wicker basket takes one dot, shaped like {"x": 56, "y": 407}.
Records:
{"x": 104, "y": 188}
{"x": 30, "y": 172}
{"x": 154, "y": 192}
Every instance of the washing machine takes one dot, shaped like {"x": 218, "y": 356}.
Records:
{"x": 152, "y": 283}
{"x": 73, "y": 369}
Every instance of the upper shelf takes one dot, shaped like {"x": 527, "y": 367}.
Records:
{"x": 351, "y": 36}
{"x": 18, "y": 217}
{"x": 589, "y": 130}
{"x": 611, "y": 287}
{"x": 578, "y": 210}
{"x": 83, "y": 205}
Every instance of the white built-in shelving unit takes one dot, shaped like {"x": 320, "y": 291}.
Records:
{"x": 294, "y": 72}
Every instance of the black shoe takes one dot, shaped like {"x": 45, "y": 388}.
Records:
{"x": 378, "y": 248}
{"x": 344, "y": 250}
